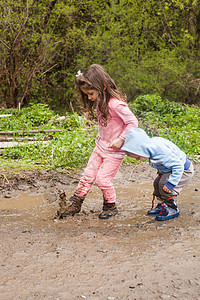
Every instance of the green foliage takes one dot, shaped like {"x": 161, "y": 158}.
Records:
{"x": 26, "y": 119}
{"x": 72, "y": 147}
{"x": 69, "y": 148}
{"x": 146, "y": 46}
{"x": 154, "y": 103}
{"x": 38, "y": 116}
{"x": 173, "y": 121}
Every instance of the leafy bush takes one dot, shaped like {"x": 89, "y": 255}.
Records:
{"x": 72, "y": 147}
{"x": 146, "y": 46}
{"x": 26, "y": 119}
{"x": 69, "y": 148}
{"x": 173, "y": 121}
{"x": 154, "y": 103}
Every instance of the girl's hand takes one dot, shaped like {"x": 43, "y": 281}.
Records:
{"x": 116, "y": 144}
{"x": 166, "y": 189}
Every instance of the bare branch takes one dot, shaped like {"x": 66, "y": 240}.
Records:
{"x": 48, "y": 70}
{"x": 5, "y": 44}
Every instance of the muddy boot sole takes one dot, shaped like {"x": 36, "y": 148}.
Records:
{"x": 107, "y": 214}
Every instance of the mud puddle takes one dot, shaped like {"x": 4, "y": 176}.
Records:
{"x": 131, "y": 256}
{"x": 22, "y": 201}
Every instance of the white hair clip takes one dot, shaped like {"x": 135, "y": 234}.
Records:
{"x": 78, "y": 73}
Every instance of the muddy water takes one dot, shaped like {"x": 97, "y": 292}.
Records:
{"x": 22, "y": 201}
{"x": 131, "y": 256}
{"x": 134, "y": 200}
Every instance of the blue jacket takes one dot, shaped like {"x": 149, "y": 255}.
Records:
{"x": 163, "y": 155}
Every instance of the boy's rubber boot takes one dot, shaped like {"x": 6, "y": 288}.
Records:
{"x": 108, "y": 211}
{"x": 169, "y": 210}
{"x": 69, "y": 209}
{"x": 157, "y": 209}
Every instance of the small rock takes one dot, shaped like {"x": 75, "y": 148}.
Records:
{"x": 90, "y": 234}
{"x": 10, "y": 195}
{"x": 23, "y": 187}
{"x": 165, "y": 297}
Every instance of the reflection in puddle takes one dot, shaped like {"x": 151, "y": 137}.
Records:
{"x": 133, "y": 201}
{"x": 24, "y": 201}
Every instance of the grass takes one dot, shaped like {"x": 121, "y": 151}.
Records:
{"x": 176, "y": 122}
{"x": 72, "y": 147}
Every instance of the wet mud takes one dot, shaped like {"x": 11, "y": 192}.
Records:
{"x": 131, "y": 256}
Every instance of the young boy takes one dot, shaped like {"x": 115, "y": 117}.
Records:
{"x": 174, "y": 169}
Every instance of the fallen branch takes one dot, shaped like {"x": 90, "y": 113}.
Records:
{"x": 4, "y": 178}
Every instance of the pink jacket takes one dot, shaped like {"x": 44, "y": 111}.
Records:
{"x": 120, "y": 121}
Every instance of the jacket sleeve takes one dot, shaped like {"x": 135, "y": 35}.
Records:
{"x": 129, "y": 119}
{"x": 177, "y": 169}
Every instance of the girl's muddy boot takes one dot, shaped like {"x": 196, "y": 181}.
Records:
{"x": 169, "y": 210}
{"x": 109, "y": 210}
{"x": 69, "y": 209}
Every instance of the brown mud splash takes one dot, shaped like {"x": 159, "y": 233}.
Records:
{"x": 131, "y": 256}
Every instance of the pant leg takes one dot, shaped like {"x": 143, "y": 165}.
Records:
{"x": 156, "y": 186}
{"x": 163, "y": 179}
{"x": 105, "y": 174}
{"x": 89, "y": 175}
{"x": 186, "y": 177}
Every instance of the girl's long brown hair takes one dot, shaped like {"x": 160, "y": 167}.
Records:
{"x": 96, "y": 78}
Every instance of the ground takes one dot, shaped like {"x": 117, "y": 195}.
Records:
{"x": 131, "y": 256}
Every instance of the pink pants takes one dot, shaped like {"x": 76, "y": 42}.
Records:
{"x": 102, "y": 168}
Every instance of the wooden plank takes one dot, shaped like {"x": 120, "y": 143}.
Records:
{"x": 31, "y": 131}
{"x": 4, "y": 145}
{"x": 3, "y": 116}
{"x": 21, "y": 139}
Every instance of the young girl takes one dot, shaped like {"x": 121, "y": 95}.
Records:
{"x": 115, "y": 119}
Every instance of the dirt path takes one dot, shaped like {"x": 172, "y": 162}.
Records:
{"x": 131, "y": 256}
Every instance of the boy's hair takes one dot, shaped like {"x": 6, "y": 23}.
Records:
{"x": 96, "y": 78}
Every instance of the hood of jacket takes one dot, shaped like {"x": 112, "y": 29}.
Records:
{"x": 155, "y": 148}
{"x": 138, "y": 142}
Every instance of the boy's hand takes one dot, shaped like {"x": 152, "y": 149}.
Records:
{"x": 116, "y": 144}
{"x": 166, "y": 189}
